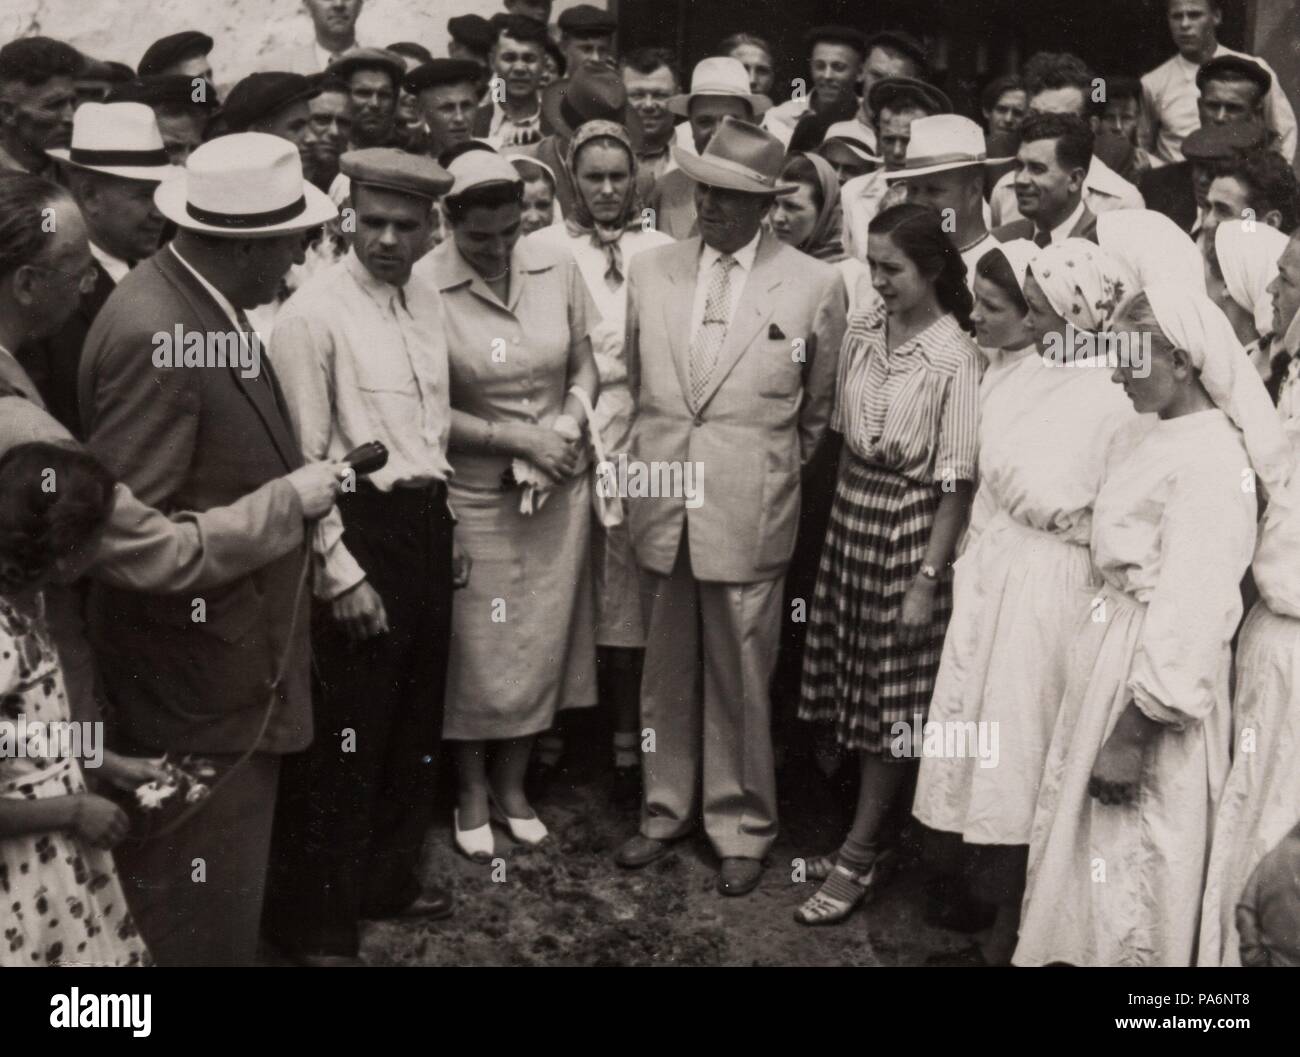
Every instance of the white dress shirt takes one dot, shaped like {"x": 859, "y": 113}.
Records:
{"x": 744, "y": 265}
{"x": 1103, "y": 189}
{"x": 116, "y": 268}
{"x": 1169, "y": 96}
{"x": 1062, "y": 230}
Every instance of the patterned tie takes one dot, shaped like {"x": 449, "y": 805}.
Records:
{"x": 713, "y": 328}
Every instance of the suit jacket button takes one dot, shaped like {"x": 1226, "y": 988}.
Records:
{"x": 698, "y": 421}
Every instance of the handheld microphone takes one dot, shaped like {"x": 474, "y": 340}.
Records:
{"x": 366, "y": 459}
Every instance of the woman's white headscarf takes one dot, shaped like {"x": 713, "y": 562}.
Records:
{"x": 1147, "y": 247}
{"x": 1194, "y": 323}
{"x": 1079, "y": 281}
{"x": 1248, "y": 260}
{"x": 1019, "y": 253}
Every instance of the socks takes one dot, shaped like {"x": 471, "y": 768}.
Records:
{"x": 857, "y": 856}
{"x": 625, "y": 749}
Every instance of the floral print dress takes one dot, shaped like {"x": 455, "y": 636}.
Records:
{"x": 60, "y": 899}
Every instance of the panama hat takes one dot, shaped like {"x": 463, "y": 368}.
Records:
{"x": 723, "y": 76}
{"x": 942, "y": 142}
{"x": 244, "y": 185}
{"x": 119, "y": 139}
{"x": 739, "y": 157}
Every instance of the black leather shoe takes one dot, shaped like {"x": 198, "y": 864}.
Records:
{"x": 739, "y": 877}
{"x": 434, "y": 903}
{"x": 641, "y": 851}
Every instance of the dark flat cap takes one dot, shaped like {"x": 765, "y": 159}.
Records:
{"x": 162, "y": 53}
{"x": 587, "y": 20}
{"x": 105, "y": 70}
{"x": 891, "y": 91}
{"x": 1223, "y": 142}
{"x": 396, "y": 170}
{"x": 162, "y": 89}
{"x": 259, "y": 95}
{"x": 443, "y": 71}
{"x": 1236, "y": 68}
{"x": 836, "y": 35}
{"x": 368, "y": 59}
{"x": 474, "y": 31}
{"x": 897, "y": 40}
{"x": 408, "y": 49}
{"x": 517, "y": 27}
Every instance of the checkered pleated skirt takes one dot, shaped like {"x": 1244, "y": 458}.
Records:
{"x": 856, "y": 674}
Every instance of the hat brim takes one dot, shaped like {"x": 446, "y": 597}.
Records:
{"x": 681, "y": 104}
{"x": 143, "y": 173}
{"x": 170, "y": 198}
{"x": 926, "y": 170}
{"x": 553, "y": 115}
{"x": 704, "y": 170}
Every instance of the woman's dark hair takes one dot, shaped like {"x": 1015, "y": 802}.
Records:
{"x": 23, "y": 231}
{"x": 996, "y": 269}
{"x": 918, "y": 232}
{"x": 998, "y": 87}
{"x": 799, "y": 169}
{"x": 485, "y": 196}
{"x": 531, "y": 172}
{"x": 53, "y": 498}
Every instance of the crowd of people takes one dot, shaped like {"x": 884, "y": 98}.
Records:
{"x": 957, "y": 433}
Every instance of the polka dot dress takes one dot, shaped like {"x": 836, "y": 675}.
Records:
{"x": 60, "y": 900}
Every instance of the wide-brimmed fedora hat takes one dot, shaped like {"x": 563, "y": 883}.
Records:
{"x": 244, "y": 185}
{"x": 942, "y": 142}
{"x": 118, "y": 139}
{"x": 594, "y": 92}
{"x": 723, "y": 76}
{"x": 739, "y": 157}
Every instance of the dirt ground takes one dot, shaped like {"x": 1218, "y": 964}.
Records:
{"x": 566, "y": 903}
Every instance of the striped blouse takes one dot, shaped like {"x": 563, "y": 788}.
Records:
{"x": 914, "y": 410}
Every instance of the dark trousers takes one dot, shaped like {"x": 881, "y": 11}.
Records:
{"x": 354, "y": 807}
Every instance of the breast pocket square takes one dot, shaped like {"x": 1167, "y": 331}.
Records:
{"x": 774, "y": 333}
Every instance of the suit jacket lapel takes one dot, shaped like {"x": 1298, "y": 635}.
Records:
{"x": 1086, "y": 226}
{"x": 750, "y": 315}
{"x": 261, "y": 394}
{"x": 682, "y": 273}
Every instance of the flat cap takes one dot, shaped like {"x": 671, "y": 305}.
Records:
{"x": 162, "y": 53}
{"x": 166, "y": 89}
{"x": 897, "y": 40}
{"x": 517, "y": 27}
{"x": 106, "y": 70}
{"x": 476, "y": 168}
{"x": 1223, "y": 142}
{"x": 259, "y": 95}
{"x": 409, "y": 49}
{"x": 854, "y": 38}
{"x": 443, "y": 71}
{"x": 396, "y": 170}
{"x": 891, "y": 91}
{"x": 474, "y": 31}
{"x": 1236, "y": 68}
{"x": 587, "y": 20}
{"x": 368, "y": 59}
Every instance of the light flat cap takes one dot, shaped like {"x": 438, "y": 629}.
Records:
{"x": 396, "y": 170}
{"x": 369, "y": 59}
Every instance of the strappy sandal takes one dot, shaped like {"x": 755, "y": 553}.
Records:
{"x": 818, "y": 867}
{"x": 845, "y": 891}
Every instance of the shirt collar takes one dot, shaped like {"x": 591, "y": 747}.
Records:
{"x": 324, "y": 56}
{"x": 14, "y": 376}
{"x": 222, "y": 301}
{"x": 383, "y": 293}
{"x": 500, "y": 117}
{"x": 743, "y": 256}
{"x": 116, "y": 267}
{"x": 1062, "y": 230}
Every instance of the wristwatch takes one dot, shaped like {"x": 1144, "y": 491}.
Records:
{"x": 929, "y": 572}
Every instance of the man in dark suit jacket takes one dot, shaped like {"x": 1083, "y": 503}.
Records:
{"x": 178, "y": 402}
{"x": 1051, "y": 164}
{"x": 115, "y": 196}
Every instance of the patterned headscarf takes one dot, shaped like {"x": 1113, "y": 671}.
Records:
{"x": 1080, "y": 282}
{"x": 605, "y": 237}
{"x": 1147, "y": 247}
{"x": 826, "y": 240}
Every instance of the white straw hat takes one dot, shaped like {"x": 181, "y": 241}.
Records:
{"x": 723, "y": 76}
{"x": 241, "y": 185}
{"x": 119, "y": 139}
{"x": 941, "y": 142}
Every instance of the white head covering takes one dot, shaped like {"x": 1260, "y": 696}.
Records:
{"x": 1147, "y": 247}
{"x": 1080, "y": 282}
{"x": 1194, "y": 323}
{"x": 1248, "y": 260}
{"x": 1018, "y": 252}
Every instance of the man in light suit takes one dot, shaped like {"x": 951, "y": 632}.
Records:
{"x": 334, "y": 31}
{"x": 732, "y": 343}
{"x": 225, "y": 675}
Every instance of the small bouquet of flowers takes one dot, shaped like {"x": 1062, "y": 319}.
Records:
{"x": 155, "y": 805}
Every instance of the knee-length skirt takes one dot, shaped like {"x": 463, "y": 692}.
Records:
{"x": 523, "y": 630}
{"x": 857, "y": 675}
{"x": 1261, "y": 800}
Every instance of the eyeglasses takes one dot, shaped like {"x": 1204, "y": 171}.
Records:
{"x": 85, "y": 281}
